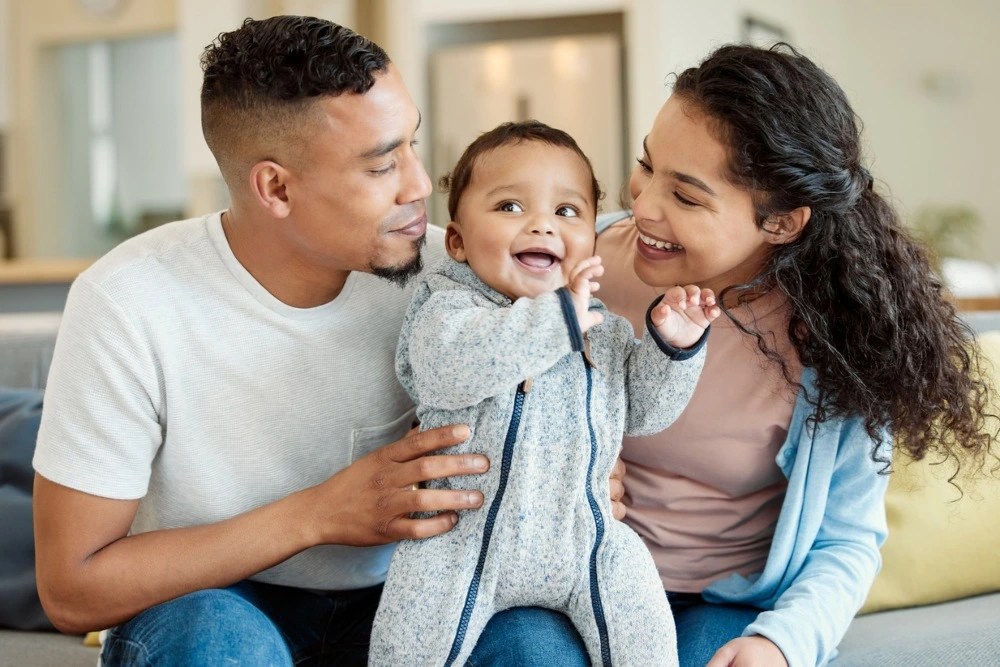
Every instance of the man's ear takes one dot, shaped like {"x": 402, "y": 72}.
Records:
{"x": 454, "y": 243}
{"x": 784, "y": 228}
{"x": 268, "y": 182}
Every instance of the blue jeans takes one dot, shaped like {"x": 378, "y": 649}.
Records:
{"x": 703, "y": 627}
{"x": 251, "y": 623}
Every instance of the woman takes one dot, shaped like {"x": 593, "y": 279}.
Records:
{"x": 763, "y": 503}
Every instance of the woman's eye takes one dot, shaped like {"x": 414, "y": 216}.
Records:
{"x": 684, "y": 200}
{"x": 644, "y": 165}
{"x": 511, "y": 207}
{"x": 567, "y": 212}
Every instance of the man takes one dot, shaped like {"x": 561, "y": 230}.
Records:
{"x": 211, "y": 477}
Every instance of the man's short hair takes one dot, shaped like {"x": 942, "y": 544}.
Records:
{"x": 262, "y": 80}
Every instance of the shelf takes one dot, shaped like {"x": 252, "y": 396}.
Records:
{"x": 41, "y": 271}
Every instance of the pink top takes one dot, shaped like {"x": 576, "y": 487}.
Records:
{"x": 705, "y": 493}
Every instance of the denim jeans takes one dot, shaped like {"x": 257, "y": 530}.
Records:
{"x": 703, "y": 627}
{"x": 251, "y": 623}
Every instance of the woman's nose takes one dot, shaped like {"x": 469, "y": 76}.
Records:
{"x": 644, "y": 205}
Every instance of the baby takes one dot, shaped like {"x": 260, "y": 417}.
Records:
{"x": 505, "y": 337}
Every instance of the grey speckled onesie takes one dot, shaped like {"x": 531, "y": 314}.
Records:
{"x": 552, "y": 424}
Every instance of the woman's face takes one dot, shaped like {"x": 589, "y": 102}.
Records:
{"x": 694, "y": 226}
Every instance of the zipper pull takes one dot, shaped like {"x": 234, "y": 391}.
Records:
{"x": 526, "y": 385}
{"x": 586, "y": 351}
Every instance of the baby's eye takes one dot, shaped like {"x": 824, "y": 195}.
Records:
{"x": 510, "y": 207}
{"x": 567, "y": 212}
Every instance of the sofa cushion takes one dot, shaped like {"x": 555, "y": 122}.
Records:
{"x": 20, "y": 413}
{"x": 960, "y": 633}
{"x": 943, "y": 541}
{"x": 26, "y": 344}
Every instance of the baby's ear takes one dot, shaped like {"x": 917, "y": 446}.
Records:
{"x": 454, "y": 243}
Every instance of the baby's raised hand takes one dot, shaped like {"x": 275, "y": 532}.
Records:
{"x": 683, "y": 314}
{"x": 581, "y": 285}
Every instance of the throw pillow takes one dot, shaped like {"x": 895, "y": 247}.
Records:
{"x": 942, "y": 543}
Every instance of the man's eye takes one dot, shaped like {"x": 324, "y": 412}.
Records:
{"x": 384, "y": 170}
{"x": 567, "y": 212}
{"x": 511, "y": 207}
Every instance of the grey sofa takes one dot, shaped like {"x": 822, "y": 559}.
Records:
{"x": 959, "y": 633}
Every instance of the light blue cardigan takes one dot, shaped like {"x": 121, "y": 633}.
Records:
{"x": 825, "y": 551}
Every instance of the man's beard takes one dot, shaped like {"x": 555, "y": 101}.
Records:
{"x": 401, "y": 274}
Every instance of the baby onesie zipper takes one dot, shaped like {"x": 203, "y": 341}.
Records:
{"x": 508, "y": 454}
{"x": 595, "y": 592}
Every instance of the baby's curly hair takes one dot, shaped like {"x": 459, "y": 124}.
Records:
{"x": 261, "y": 78}
{"x": 508, "y": 134}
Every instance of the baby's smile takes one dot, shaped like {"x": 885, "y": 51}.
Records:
{"x": 537, "y": 260}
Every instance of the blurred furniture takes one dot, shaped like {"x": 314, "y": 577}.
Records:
{"x": 6, "y": 233}
{"x": 37, "y": 285}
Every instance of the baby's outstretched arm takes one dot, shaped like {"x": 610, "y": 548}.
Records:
{"x": 581, "y": 285}
{"x": 683, "y": 314}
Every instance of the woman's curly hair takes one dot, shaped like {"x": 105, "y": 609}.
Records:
{"x": 867, "y": 312}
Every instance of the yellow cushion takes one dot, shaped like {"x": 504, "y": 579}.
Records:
{"x": 942, "y": 545}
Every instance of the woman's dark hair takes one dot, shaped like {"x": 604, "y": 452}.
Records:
{"x": 867, "y": 312}
{"x": 507, "y": 134}
{"x": 260, "y": 76}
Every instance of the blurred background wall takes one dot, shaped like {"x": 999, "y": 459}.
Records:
{"x": 101, "y": 139}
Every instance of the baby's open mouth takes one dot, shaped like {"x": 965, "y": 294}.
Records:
{"x": 537, "y": 260}
{"x": 660, "y": 245}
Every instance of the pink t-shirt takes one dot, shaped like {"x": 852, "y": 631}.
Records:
{"x": 705, "y": 493}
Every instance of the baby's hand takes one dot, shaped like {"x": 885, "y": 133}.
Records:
{"x": 581, "y": 286}
{"x": 683, "y": 314}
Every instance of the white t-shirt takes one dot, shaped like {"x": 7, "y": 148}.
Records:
{"x": 178, "y": 379}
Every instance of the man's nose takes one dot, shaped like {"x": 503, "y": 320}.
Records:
{"x": 416, "y": 184}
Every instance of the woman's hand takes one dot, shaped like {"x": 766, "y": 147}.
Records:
{"x": 754, "y": 651}
{"x": 683, "y": 314}
{"x": 617, "y": 484}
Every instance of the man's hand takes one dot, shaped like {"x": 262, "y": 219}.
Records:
{"x": 581, "y": 285}
{"x": 754, "y": 651}
{"x": 370, "y": 501}
{"x": 617, "y": 484}
{"x": 683, "y": 314}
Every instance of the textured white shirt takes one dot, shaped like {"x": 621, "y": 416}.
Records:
{"x": 178, "y": 379}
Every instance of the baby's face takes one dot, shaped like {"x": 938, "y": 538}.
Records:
{"x": 526, "y": 218}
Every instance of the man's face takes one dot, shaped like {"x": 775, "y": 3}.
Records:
{"x": 357, "y": 195}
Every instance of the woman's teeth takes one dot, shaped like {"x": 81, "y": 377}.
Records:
{"x": 662, "y": 245}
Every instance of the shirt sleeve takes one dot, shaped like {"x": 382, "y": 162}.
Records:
{"x": 100, "y": 427}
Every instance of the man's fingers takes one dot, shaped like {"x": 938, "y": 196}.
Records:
{"x": 417, "y": 529}
{"x": 415, "y": 445}
{"x": 439, "y": 467}
{"x": 439, "y": 500}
